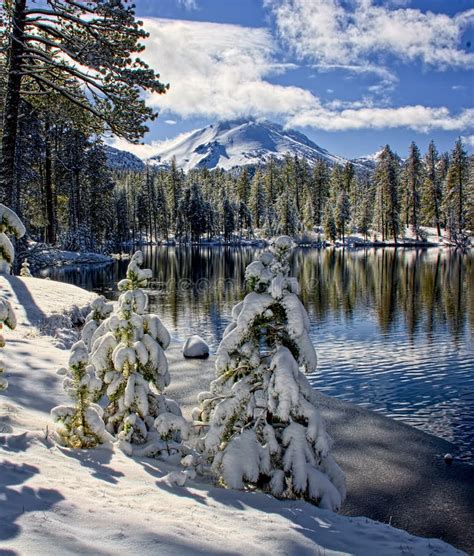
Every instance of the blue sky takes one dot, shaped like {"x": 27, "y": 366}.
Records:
{"x": 351, "y": 74}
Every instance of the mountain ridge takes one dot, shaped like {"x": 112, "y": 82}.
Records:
{"x": 232, "y": 144}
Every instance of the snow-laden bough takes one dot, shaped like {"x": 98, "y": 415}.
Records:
{"x": 127, "y": 350}
{"x": 8, "y": 319}
{"x": 10, "y": 225}
{"x": 260, "y": 418}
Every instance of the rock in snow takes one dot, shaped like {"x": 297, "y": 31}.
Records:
{"x": 195, "y": 347}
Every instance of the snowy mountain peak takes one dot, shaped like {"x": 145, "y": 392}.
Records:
{"x": 241, "y": 142}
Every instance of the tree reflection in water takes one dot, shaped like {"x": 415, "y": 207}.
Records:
{"x": 393, "y": 328}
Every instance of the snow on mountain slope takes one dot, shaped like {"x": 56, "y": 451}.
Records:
{"x": 369, "y": 161}
{"x": 122, "y": 160}
{"x": 238, "y": 143}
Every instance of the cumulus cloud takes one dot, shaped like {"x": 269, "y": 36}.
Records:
{"x": 221, "y": 71}
{"x": 337, "y": 32}
{"x": 419, "y": 118}
{"x": 218, "y": 70}
{"x": 468, "y": 140}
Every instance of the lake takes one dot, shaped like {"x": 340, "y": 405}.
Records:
{"x": 393, "y": 329}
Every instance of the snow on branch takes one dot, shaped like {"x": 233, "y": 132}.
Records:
{"x": 7, "y": 318}
{"x": 261, "y": 421}
{"x": 10, "y": 224}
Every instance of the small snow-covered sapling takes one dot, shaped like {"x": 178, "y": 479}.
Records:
{"x": 80, "y": 425}
{"x": 7, "y": 318}
{"x": 10, "y": 224}
{"x": 261, "y": 420}
{"x": 128, "y": 355}
{"x": 25, "y": 269}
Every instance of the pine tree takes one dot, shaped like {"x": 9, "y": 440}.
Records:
{"x": 454, "y": 202}
{"x": 387, "y": 207}
{"x": 307, "y": 213}
{"x": 229, "y": 220}
{"x": 245, "y": 219}
{"x": 183, "y": 224}
{"x": 271, "y": 222}
{"x": 80, "y": 425}
{"x": 412, "y": 180}
{"x": 7, "y": 318}
{"x": 98, "y": 194}
{"x": 270, "y": 181}
{"x": 258, "y": 200}
{"x": 197, "y": 214}
{"x": 54, "y": 48}
{"x": 470, "y": 197}
{"x": 320, "y": 189}
{"x": 128, "y": 356}
{"x": 174, "y": 188}
{"x": 431, "y": 189}
{"x": 365, "y": 209}
{"x": 287, "y": 214}
{"x": 329, "y": 224}
{"x": 342, "y": 213}
{"x": 262, "y": 422}
{"x": 25, "y": 269}
{"x": 243, "y": 187}
{"x": 161, "y": 211}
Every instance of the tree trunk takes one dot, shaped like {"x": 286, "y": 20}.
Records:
{"x": 48, "y": 188}
{"x": 8, "y": 186}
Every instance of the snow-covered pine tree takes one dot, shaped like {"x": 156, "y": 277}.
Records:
{"x": 10, "y": 224}
{"x": 128, "y": 356}
{"x": 100, "y": 310}
{"x": 80, "y": 425}
{"x": 263, "y": 424}
{"x": 25, "y": 269}
{"x": 7, "y": 318}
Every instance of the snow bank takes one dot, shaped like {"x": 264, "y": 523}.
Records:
{"x": 57, "y": 501}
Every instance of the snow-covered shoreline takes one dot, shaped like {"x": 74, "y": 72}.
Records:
{"x": 59, "y": 501}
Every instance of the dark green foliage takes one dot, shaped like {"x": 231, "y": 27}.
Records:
{"x": 387, "y": 206}
{"x": 412, "y": 182}
{"x": 432, "y": 189}
{"x": 81, "y": 55}
{"x": 455, "y": 204}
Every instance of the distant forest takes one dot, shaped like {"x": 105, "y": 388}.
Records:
{"x": 67, "y": 78}
{"x": 69, "y": 196}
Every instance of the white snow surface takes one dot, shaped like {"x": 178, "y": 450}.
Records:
{"x": 236, "y": 143}
{"x": 54, "y": 500}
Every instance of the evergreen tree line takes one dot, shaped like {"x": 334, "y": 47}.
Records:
{"x": 291, "y": 197}
{"x": 70, "y": 196}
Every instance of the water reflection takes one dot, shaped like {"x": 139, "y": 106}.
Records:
{"x": 393, "y": 329}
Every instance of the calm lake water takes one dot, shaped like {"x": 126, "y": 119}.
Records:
{"x": 393, "y": 329}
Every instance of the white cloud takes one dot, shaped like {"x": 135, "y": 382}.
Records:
{"x": 337, "y": 32}
{"x": 419, "y": 118}
{"x": 221, "y": 71}
{"x": 468, "y": 140}
{"x": 188, "y": 4}
{"x": 171, "y": 122}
